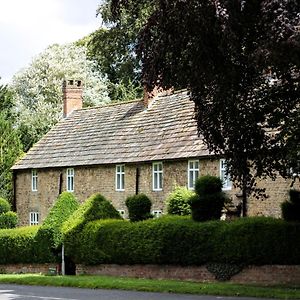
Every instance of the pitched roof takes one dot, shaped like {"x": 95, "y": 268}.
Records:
{"x": 120, "y": 133}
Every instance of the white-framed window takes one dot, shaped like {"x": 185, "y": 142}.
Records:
{"x": 225, "y": 177}
{"x": 122, "y": 213}
{"x": 33, "y": 218}
{"x": 120, "y": 177}
{"x": 70, "y": 179}
{"x": 157, "y": 176}
{"x": 156, "y": 213}
{"x": 34, "y": 180}
{"x": 193, "y": 173}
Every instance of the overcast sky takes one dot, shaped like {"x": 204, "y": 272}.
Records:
{"x": 27, "y": 27}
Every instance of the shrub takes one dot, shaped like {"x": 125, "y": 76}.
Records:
{"x": 96, "y": 207}
{"x": 8, "y": 220}
{"x": 139, "y": 207}
{"x": 64, "y": 206}
{"x": 20, "y": 245}
{"x": 182, "y": 241}
{"x": 291, "y": 209}
{"x": 178, "y": 202}
{"x": 209, "y": 200}
{"x": 4, "y": 206}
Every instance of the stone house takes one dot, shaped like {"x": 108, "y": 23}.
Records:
{"x": 144, "y": 146}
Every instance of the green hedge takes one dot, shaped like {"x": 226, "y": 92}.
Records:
{"x": 8, "y": 220}
{"x": 95, "y": 207}
{"x": 4, "y": 206}
{"x": 178, "y": 201}
{"x": 21, "y": 245}
{"x": 63, "y": 207}
{"x": 182, "y": 241}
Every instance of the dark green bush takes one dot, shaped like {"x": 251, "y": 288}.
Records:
{"x": 8, "y": 220}
{"x": 95, "y": 207}
{"x": 139, "y": 207}
{"x": 291, "y": 209}
{"x": 4, "y": 206}
{"x": 209, "y": 200}
{"x": 182, "y": 241}
{"x": 20, "y": 245}
{"x": 178, "y": 202}
{"x": 64, "y": 206}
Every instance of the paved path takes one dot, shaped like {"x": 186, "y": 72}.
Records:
{"x": 21, "y": 292}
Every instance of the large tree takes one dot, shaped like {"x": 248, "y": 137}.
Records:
{"x": 113, "y": 47}
{"x": 38, "y": 88}
{"x": 10, "y": 144}
{"x": 240, "y": 60}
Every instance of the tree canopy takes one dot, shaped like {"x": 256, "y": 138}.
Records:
{"x": 10, "y": 144}
{"x": 38, "y": 88}
{"x": 240, "y": 60}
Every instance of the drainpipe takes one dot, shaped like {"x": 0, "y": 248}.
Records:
{"x": 137, "y": 180}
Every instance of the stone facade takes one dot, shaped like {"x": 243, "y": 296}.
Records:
{"x": 101, "y": 179}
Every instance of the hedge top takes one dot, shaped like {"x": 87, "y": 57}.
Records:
{"x": 4, "y": 206}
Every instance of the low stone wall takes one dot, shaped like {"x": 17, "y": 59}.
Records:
{"x": 27, "y": 268}
{"x": 266, "y": 275}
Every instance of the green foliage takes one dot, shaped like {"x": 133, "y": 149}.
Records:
{"x": 8, "y": 220}
{"x": 209, "y": 200}
{"x": 178, "y": 202}
{"x": 10, "y": 144}
{"x": 182, "y": 241}
{"x": 291, "y": 209}
{"x": 64, "y": 206}
{"x": 223, "y": 271}
{"x": 94, "y": 208}
{"x": 21, "y": 245}
{"x": 4, "y": 206}
{"x": 139, "y": 207}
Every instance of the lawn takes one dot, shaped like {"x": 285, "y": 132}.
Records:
{"x": 154, "y": 285}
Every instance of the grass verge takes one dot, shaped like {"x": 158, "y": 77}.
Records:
{"x": 154, "y": 285}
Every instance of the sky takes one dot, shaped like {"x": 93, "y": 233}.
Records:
{"x": 27, "y": 27}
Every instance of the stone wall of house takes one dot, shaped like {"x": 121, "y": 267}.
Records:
{"x": 101, "y": 179}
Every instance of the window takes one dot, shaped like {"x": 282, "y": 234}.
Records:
{"x": 70, "y": 180}
{"x": 193, "y": 173}
{"x": 156, "y": 213}
{"x": 157, "y": 175}
{"x": 34, "y": 179}
{"x": 224, "y": 176}
{"x": 33, "y": 218}
{"x": 120, "y": 177}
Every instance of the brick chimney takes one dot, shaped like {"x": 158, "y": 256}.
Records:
{"x": 149, "y": 97}
{"x": 72, "y": 96}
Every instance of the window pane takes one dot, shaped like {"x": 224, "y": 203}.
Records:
{"x": 160, "y": 180}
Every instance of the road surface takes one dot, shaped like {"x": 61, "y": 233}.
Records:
{"x": 21, "y": 292}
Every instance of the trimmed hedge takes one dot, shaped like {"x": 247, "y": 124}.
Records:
{"x": 8, "y": 220}
{"x": 21, "y": 245}
{"x": 95, "y": 207}
{"x": 139, "y": 207}
{"x": 182, "y": 241}
{"x": 64, "y": 206}
{"x": 178, "y": 201}
{"x": 4, "y": 206}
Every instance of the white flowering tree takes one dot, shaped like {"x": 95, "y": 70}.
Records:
{"x": 38, "y": 88}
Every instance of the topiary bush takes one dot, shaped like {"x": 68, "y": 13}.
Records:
{"x": 291, "y": 209}
{"x": 8, "y": 220}
{"x": 209, "y": 200}
{"x": 96, "y": 207}
{"x": 4, "y": 206}
{"x": 178, "y": 202}
{"x": 63, "y": 207}
{"x": 223, "y": 246}
{"x": 139, "y": 207}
